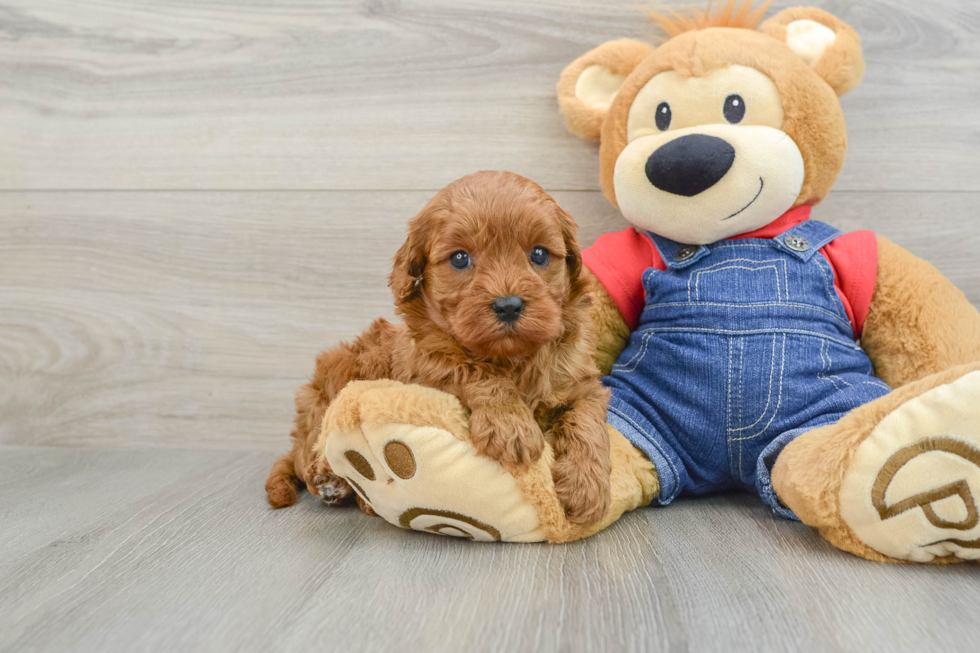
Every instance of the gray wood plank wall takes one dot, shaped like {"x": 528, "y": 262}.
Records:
{"x": 198, "y": 195}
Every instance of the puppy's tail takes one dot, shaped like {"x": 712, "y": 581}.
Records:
{"x": 281, "y": 484}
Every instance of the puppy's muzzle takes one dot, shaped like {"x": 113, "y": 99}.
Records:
{"x": 508, "y": 309}
{"x": 690, "y": 164}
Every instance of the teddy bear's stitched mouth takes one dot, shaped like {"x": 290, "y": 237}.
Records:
{"x": 761, "y": 184}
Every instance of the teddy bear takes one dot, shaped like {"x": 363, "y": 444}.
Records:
{"x": 746, "y": 345}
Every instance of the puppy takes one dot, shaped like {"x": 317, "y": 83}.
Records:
{"x": 494, "y": 312}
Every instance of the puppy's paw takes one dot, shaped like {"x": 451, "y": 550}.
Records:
{"x": 331, "y": 489}
{"x": 583, "y": 490}
{"x": 365, "y": 507}
{"x": 513, "y": 439}
{"x": 281, "y": 491}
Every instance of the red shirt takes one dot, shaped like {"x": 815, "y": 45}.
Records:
{"x": 619, "y": 260}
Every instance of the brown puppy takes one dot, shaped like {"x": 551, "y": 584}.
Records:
{"x": 494, "y": 313}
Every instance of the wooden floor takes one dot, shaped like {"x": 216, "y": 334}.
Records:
{"x": 197, "y": 195}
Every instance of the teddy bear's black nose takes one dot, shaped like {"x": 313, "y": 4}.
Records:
{"x": 690, "y": 164}
{"x": 508, "y": 309}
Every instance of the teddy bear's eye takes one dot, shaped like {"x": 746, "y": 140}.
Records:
{"x": 460, "y": 260}
{"x": 663, "y": 116}
{"x": 734, "y": 109}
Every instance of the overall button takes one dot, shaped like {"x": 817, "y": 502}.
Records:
{"x": 685, "y": 252}
{"x": 797, "y": 243}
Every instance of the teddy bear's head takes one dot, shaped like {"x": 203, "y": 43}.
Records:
{"x": 722, "y": 128}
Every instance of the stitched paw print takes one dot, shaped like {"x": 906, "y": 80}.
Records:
{"x": 405, "y": 451}
{"x": 912, "y": 487}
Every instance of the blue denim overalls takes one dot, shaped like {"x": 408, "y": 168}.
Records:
{"x": 742, "y": 346}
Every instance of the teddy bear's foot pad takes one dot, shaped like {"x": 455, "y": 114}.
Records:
{"x": 405, "y": 450}
{"x": 912, "y": 487}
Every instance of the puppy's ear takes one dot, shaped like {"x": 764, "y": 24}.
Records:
{"x": 406, "y": 279}
{"x": 573, "y": 253}
{"x": 823, "y": 41}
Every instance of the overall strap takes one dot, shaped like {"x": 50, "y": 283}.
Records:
{"x": 677, "y": 256}
{"x": 805, "y": 239}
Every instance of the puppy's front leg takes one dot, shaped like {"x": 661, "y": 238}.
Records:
{"x": 581, "y": 468}
{"x": 367, "y": 357}
{"x": 502, "y": 427}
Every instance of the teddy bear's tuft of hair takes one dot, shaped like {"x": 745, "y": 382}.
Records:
{"x": 727, "y": 14}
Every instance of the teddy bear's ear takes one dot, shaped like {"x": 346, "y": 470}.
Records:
{"x": 589, "y": 85}
{"x": 827, "y": 44}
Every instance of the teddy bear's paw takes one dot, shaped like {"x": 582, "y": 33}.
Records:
{"x": 405, "y": 451}
{"x": 912, "y": 487}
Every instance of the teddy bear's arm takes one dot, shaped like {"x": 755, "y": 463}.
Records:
{"x": 918, "y": 323}
{"x": 612, "y": 332}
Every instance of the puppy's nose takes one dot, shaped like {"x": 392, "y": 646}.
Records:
{"x": 690, "y": 164}
{"x": 508, "y": 309}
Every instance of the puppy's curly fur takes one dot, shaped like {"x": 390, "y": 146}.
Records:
{"x": 525, "y": 382}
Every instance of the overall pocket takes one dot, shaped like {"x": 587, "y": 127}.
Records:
{"x": 756, "y": 390}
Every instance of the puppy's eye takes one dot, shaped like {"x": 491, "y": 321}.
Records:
{"x": 460, "y": 260}
{"x": 734, "y": 109}
{"x": 540, "y": 256}
{"x": 663, "y": 116}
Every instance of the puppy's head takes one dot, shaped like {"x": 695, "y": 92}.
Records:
{"x": 493, "y": 262}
